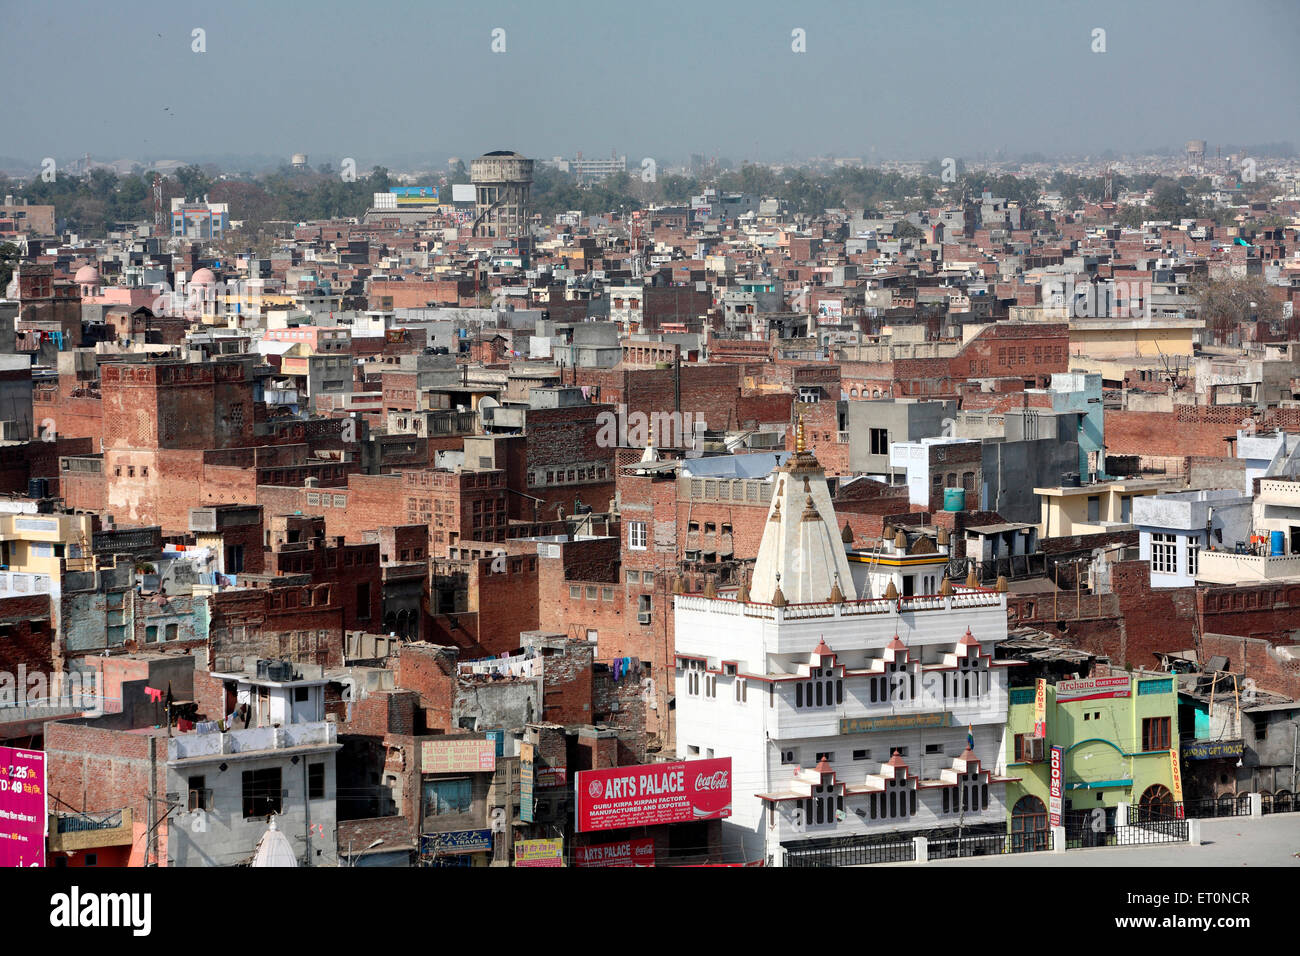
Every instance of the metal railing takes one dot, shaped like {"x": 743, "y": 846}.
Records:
{"x": 1281, "y": 802}
{"x": 1153, "y": 831}
{"x": 990, "y": 844}
{"x": 90, "y": 821}
{"x": 852, "y": 855}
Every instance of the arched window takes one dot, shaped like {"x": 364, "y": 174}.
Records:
{"x": 1029, "y": 824}
{"x": 1156, "y": 803}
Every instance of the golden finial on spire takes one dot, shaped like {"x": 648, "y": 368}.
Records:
{"x": 798, "y": 436}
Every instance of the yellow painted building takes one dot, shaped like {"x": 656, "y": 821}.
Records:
{"x": 1093, "y": 508}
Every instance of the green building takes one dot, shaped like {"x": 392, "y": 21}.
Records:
{"x": 1119, "y": 740}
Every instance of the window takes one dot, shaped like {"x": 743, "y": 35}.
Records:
{"x": 316, "y": 781}
{"x": 636, "y": 535}
{"x": 1094, "y": 507}
{"x": 444, "y": 798}
{"x": 862, "y": 755}
{"x": 151, "y": 633}
{"x": 261, "y": 792}
{"x": 363, "y": 601}
{"x": 200, "y": 798}
{"x": 879, "y": 438}
{"x": 1164, "y": 553}
{"x": 1193, "y": 548}
{"x": 1155, "y": 733}
{"x": 171, "y": 632}
{"x": 820, "y": 690}
{"x": 1020, "y": 752}
{"x": 789, "y": 756}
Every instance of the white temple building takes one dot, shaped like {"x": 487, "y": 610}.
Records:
{"x": 854, "y": 713}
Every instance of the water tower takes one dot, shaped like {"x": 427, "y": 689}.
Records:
{"x": 1196, "y": 153}
{"x": 299, "y": 161}
{"x": 503, "y": 182}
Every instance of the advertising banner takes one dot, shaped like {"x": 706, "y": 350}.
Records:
{"x": 1040, "y": 708}
{"x": 539, "y": 853}
{"x": 456, "y": 841}
{"x": 652, "y": 794}
{"x": 458, "y": 756}
{"x": 1176, "y": 774}
{"x": 526, "y": 782}
{"x": 1092, "y": 688}
{"x": 24, "y": 814}
{"x": 1055, "y": 786}
{"x": 627, "y": 853}
{"x": 552, "y": 776}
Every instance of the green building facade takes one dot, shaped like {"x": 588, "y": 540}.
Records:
{"x": 1119, "y": 738}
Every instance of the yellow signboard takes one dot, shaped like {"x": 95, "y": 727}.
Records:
{"x": 539, "y": 852}
{"x": 1040, "y": 708}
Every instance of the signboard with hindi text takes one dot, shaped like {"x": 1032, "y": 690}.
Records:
{"x": 539, "y": 852}
{"x": 458, "y": 756}
{"x": 24, "y": 813}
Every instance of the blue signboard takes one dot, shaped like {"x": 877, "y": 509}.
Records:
{"x": 455, "y": 841}
{"x": 1212, "y": 749}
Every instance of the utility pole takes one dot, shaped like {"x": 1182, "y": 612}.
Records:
{"x": 151, "y": 854}
{"x": 306, "y": 806}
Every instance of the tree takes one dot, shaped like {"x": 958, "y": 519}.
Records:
{"x": 1170, "y": 201}
{"x": 1227, "y": 304}
{"x": 193, "y": 181}
{"x": 905, "y": 229}
{"x": 8, "y": 260}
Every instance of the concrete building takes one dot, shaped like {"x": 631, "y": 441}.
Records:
{"x": 277, "y": 763}
{"x": 1174, "y": 528}
{"x": 876, "y": 424}
{"x": 199, "y": 219}
{"x": 1118, "y": 736}
{"x": 850, "y": 720}
{"x": 1093, "y": 508}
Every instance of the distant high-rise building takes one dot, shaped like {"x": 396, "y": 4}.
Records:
{"x": 503, "y": 182}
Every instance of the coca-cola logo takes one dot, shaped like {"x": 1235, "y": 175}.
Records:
{"x": 595, "y": 789}
{"x": 716, "y": 781}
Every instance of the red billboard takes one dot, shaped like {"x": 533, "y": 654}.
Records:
{"x": 23, "y": 815}
{"x": 651, "y": 794}
{"x": 627, "y": 853}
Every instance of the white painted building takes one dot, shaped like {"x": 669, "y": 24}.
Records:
{"x": 844, "y": 717}
{"x": 1174, "y": 530}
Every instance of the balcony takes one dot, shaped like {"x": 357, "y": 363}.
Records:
{"x": 1227, "y": 567}
{"x": 70, "y": 832}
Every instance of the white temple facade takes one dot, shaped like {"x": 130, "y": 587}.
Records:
{"x": 871, "y": 718}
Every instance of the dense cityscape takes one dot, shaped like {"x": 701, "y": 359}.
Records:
{"x": 513, "y": 509}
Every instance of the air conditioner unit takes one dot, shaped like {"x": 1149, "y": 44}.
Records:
{"x": 643, "y": 617}
{"x": 1034, "y": 749}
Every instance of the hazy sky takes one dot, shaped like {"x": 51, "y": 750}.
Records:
{"x": 375, "y": 80}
